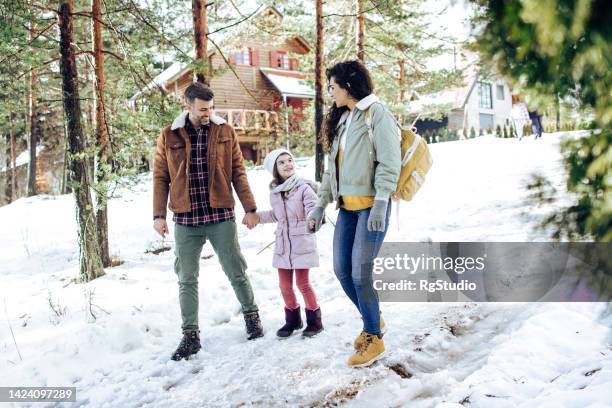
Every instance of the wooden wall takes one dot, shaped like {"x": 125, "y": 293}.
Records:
{"x": 229, "y": 93}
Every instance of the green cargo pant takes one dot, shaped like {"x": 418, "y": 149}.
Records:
{"x": 189, "y": 241}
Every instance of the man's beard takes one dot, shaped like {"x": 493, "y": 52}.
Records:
{"x": 198, "y": 121}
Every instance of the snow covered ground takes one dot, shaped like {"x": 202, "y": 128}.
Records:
{"x": 440, "y": 354}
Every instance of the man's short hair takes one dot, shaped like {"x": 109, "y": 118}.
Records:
{"x": 198, "y": 90}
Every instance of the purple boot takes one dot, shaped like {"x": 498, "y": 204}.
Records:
{"x": 293, "y": 321}
{"x": 314, "y": 325}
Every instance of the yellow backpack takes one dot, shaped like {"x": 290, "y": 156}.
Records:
{"x": 416, "y": 160}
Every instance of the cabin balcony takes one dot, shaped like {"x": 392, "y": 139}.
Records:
{"x": 257, "y": 130}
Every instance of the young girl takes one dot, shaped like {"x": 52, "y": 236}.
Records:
{"x": 292, "y": 198}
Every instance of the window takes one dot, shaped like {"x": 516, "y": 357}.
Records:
{"x": 282, "y": 61}
{"x": 484, "y": 94}
{"x": 500, "y": 92}
{"x": 243, "y": 57}
{"x": 486, "y": 121}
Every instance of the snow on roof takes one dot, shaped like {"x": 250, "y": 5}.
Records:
{"x": 288, "y": 83}
{"x": 455, "y": 97}
{"x": 444, "y": 97}
{"x": 161, "y": 80}
{"x": 24, "y": 158}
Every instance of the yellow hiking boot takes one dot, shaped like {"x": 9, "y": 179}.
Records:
{"x": 359, "y": 340}
{"x": 372, "y": 349}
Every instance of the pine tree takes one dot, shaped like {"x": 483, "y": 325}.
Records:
{"x": 562, "y": 48}
{"x": 319, "y": 79}
{"x": 200, "y": 40}
{"x": 101, "y": 131}
{"x": 89, "y": 250}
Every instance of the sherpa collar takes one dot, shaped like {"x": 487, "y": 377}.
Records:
{"x": 366, "y": 102}
{"x": 179, "y": 122}
{"x": 362, "y": 105}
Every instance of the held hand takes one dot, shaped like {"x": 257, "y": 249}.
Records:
{"x": 315, "y": 218}
{"x": 161, "y": 227}
{"x": 251, "y": 220}
{"x": 376, "y": 220}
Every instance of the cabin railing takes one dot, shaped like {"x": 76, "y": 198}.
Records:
{"x": 248, "y": 121}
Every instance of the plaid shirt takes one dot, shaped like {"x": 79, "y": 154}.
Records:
{"x": 201, "y": 211}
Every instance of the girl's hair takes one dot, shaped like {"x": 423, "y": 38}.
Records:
{"x": 277, "y": 179}
{"x": 354, "y": 77}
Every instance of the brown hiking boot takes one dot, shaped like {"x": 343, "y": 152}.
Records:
{"x": 359, "y": 340}
{"x": 253, "y": 325}
{"x": 372, "y": 349}
{"x": 190, "y": 345}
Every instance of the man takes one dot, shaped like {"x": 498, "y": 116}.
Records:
{"x": 197, "y": 160}
{"x": 536, "y": 123}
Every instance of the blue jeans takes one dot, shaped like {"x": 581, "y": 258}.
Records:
{"x": 354, "y": 251}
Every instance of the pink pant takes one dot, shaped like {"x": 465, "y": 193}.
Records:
{"x": 285, "y": 277}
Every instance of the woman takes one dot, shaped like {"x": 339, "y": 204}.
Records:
{"x": 519, "y": 115}
{"x": 361, "y": 175}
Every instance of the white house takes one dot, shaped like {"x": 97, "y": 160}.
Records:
{"x": 481, "y": 103}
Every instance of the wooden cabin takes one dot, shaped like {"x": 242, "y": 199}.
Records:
{"x": 270, "y": 73}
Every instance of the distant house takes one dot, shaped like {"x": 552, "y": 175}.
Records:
{"x": 268, "y": 70}
{"x": 481, "y": 103}
{"x": 49, "y": 172}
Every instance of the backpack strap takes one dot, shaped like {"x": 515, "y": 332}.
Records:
{"x": 411, "y": 149}
{"x": 397, "y": 214}
{"x": 368, "y": 121}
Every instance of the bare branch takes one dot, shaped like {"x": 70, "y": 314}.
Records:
{"x": 11, "y": 329}
{"x": 350, "y": 15}
{"x": 236, "y": 23}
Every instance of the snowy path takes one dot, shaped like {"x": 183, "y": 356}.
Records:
{"x": 502, "y": 355}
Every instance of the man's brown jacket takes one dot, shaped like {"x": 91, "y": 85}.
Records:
{"x": 225, "y": 168}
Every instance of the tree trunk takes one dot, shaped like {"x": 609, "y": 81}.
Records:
{"x": 401, "y": 82}
{"x": 33, "y": 125}
{"x": 199, "y": 34}
{"x": 26, "y": 104}
{"x": 319, "y": 156}
{"x": 101, "y": 131}
{"x": 557, "y": 113}
{"x": 34, "y": 130}
{"x": 90, "y": 265}
{"x": 65, "y": 187}
{"x": 361, "y": 31}
{"x": 13, "y": 159}
{"x": 32, "y": 117}
{"x": 8, "y": 193}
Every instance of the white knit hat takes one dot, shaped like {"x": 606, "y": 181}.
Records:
{"x": 270, "y": 160}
